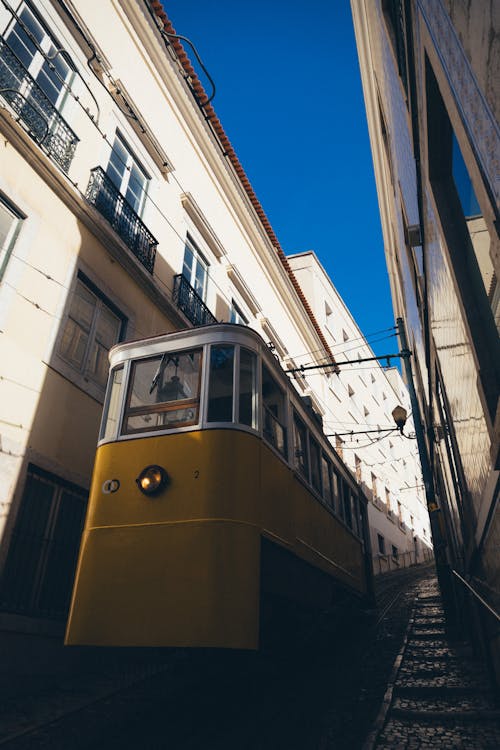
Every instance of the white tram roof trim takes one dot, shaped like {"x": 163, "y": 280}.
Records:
{"x": 218, "y": 333}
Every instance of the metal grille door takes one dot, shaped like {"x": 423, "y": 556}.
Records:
{"x": 40, "y": 565}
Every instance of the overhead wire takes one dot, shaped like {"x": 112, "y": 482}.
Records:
{"x": 95, "y": 121}
{"x": 131, "y": 113}
{"x": 363, "y": 338}
{"x": 143, "y": 191}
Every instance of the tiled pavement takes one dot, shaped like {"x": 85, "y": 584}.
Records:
{"x": 440, "y": 696}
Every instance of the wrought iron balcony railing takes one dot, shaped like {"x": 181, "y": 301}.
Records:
{"x": 190, "y": 302}
{"x": 34, "y": 109}
{"x": 108, "y": 200}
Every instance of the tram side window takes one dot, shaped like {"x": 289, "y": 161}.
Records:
{"x": 315, "y": 464}
{"x": 355, "y": 515}
{"x": 164, "y": 392}
{"x": 346, "y": 504}
{"x": 300, "y": 447}
{"x": 220, "y": 389}
{"x": 113, "y": 402}
{"x": 326, "y": 471}
{"x": 248, "y": 388}
{"x": 273, "y": 401}
{"x": 336, "y": 491}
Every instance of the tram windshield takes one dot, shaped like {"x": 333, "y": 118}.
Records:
{"x": 163, "y": 392}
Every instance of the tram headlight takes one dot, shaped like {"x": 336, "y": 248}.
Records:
{"x": 152, "y": 479}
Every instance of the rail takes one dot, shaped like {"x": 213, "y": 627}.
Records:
{"x": 478, "y": 596}
{"x": 102, "y": 193}
{"x": 189, "y": 301}
{"x": 35, "y": 110}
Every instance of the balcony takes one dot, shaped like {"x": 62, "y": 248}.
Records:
{"x": 102, "y": 193}
{"x": 34, "y": 109}
{"x": 190, "y": 302}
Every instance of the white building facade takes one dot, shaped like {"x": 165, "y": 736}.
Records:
{"x": 124, "y": 213}
{"x": 356, "y": 404}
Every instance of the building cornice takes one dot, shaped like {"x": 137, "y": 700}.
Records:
{"x": 210, "y": 118}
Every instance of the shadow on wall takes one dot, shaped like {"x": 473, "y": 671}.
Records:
{"x": 45, "y": 519}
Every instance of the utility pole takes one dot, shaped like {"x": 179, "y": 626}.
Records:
{"x": 438, "y": 536}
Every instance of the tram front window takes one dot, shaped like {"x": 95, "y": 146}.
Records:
{"x": 220, "y": 390}
{"x": 112, "y": 408}
{"x": 163, "y": 392}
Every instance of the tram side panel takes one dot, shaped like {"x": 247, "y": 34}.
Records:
{"x": 320, "y": 549}
{"x": 179, "y": 569}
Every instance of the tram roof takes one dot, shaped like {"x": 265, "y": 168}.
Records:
{"x": 214, "y": 332}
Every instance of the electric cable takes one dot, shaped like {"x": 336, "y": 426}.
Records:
{"x": 64, "y": 52}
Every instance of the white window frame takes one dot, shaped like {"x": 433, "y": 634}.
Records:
{"x": 236, "y": 315}
{"x": 198, "y": 260}
{"x": 38, "y": 58}
{"x": 12, "y": 234}
{"x": 131, "y": 161}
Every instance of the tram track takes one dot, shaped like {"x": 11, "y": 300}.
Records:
{"x": 322, "y": 687}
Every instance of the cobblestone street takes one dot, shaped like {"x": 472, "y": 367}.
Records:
{"x": 323, "y": 692}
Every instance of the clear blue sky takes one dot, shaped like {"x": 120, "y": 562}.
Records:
{"x": 290, "y": 100}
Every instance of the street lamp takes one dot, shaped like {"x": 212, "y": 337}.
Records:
{"x": 399, "y": 414}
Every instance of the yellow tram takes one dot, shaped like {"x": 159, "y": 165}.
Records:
{"x": 213, "y": 486}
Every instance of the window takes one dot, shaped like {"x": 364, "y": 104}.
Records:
{"x": 92, "y": 327}
{"x": 315, "y": 464}
{"x": 41, "y": 561}
{"x": 10, "y": 224}
{"x": 381, "y": 544}
{"x": 52, "y": 74}
{"x": 394, "y": 552}
{"x": 452, "y": 171}
{"x": 366, "y": 411}
{"x": 274, "y": 412}
{"x": 163, "y": 392}
{"x": 387, "y": 498}
{"x": 195, "y": 268}
{"x": 374, "y": 486}
{"x": 236, "y": 316}
{"x": 400, "y": 511}
{"x": 345, "y": 335}
{"x": 394, "y": 15}
{"x": 127, "y": 175}
{"x": 350, "y": 391}
{"x": 220, "y": 389}
{"x": 346, "y": 504}
{"x": 328, "y": 317}
{"x": 328, "y": 478}
{"x": 248, "y": 388}
{"x": 301, "y": 458}
{"x": 356, "y": 522}
{"x": 357, "y": 463}
{"x": 111, "y": 413}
